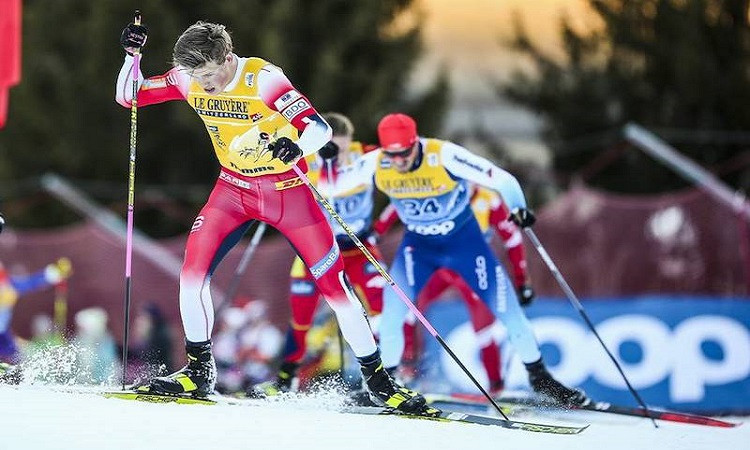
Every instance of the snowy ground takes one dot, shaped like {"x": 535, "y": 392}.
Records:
{"x": 39, "y": 417}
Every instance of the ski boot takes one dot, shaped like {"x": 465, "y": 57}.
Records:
{"x": 360, "y": 395}
{"x": 386, "y": 392}
{"x": 196, "y": 379}
{"x": 552, "y": 390}
{"x": 286, "y": 381}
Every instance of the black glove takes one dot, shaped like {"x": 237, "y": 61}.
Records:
{"x": 133, "y": 37}
{"x": 2, "y": 222}
{"x": 285, "y": 149}
{"x": 525, "y": 294}
{"x": 522, "y": 217}
{"x": 329, "y": 151}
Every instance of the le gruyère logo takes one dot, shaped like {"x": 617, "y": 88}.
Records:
{"x": 408, "y": 185}
{"x": 221, "y": 107}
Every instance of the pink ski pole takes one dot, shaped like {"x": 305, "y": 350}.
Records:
{"x": 131, "y": 201}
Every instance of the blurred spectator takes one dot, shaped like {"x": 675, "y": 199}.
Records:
{"x": 12, "y": 287}
{"x": 259, "y": 342}
{"x": 43, "y": 334}
{"x": 97, "y": 351}
{"x": 226, "y": 347}
{"x": 152, "y": 339}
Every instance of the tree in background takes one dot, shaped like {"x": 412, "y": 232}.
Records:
{"x": 679, "y": 67}
{"x": 352, "y": 57}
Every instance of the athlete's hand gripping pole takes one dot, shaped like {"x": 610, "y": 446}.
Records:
{"x": 131, "y": 201}
{"x": 328, "y": 207}
{"x": 578, "y": 306}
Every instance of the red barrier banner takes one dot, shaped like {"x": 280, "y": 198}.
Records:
{"x": 10, "y": 51}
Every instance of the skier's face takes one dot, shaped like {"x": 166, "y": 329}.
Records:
{"x": 213, "y": 77}
{"x": 402, "y": 160}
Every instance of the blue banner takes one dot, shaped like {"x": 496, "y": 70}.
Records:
{"x": 683, "y": 353}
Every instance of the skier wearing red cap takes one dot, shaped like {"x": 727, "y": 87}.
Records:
{"x": 428, "y": 182}
{"x": 492, "y": 215}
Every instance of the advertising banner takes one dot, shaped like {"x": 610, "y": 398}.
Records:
{"x": 685, "y": 353}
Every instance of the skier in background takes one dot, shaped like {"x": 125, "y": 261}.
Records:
{"x": 355, "y": 207}
{"x": 12, "y": 288}
{"x": 427, "y": 181}
{"x": 491, "y": 214}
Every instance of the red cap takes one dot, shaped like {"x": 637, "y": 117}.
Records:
{"x": 397, "y": 131}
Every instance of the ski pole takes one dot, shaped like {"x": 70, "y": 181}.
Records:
{"x": 579, "y": 307}
{"x": 395, "y": 287}
{"x": 242, "y": 267}
{"x": 131, "y": 201}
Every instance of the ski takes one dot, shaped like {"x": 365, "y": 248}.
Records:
{"x": 457, "y": 417}
{"x": 604, "y": 407}
{"x": 151, "y": 397}
{"x": 445, "y": 416}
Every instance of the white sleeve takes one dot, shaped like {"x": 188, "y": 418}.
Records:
{"x": 462, "y": 163}
{"x": 315, "y": 135}
{"x": 124, "y": 88}
{"x": 362, "y": 173}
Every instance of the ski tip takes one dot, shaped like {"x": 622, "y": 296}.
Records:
{"x": 698, "y": 420}
{"x": 553, "y": 429}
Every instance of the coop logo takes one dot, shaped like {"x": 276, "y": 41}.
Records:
{"x": 481, "y": 270}
{"x": 197, "y": 224}
{"x": 435, "y": 229}
{"x": 677, "y": 355}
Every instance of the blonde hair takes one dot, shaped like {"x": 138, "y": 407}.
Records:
{"x": 201, "y": 43}
{"x": 340, "y": 124}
